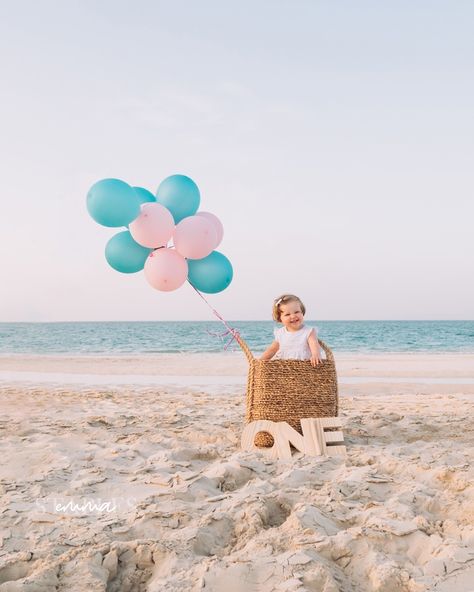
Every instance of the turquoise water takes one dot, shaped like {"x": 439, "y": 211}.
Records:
{"x": 190, "y": 336}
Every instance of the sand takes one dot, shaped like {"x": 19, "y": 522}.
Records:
{"x": 115, "y": 487}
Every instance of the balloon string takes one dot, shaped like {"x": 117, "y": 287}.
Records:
{"x": 233, "y": 333}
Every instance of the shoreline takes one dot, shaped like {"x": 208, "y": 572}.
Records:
{"x": 231, "y": 352}
{"x": 398, "y": 365}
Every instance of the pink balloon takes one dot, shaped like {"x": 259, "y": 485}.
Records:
{"x": 166, "y": 270}
{"x": 217, "y": 225}
{"x": 153, "y": 227}
{"x": 194, "y": 237}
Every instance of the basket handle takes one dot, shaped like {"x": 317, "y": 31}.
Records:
{"x": 327, "y": 351}
{"x": 250, "y": 357}
{"x": 245, "y": 348}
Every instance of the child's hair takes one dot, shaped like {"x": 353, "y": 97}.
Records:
{"x": 285, "y": 299}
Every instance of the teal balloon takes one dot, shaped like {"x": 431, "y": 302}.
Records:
{"x": 180, "y": 195}
{"x": 144, "y": 195}
{"x": 124, "y": 254}
{"x": 112, "y": 202}
{"x": 211, "y": 274}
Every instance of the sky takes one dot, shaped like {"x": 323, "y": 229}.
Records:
{"x": 334, "y": 139}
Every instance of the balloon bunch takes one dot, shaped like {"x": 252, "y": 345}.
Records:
{"x": 166, "y": 236}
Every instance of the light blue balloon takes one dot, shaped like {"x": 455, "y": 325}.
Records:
{"x": 124, "y": 254}
{"x": 144, "y": 195}
{"x": 112, "y": 202}
{"x": 211, "y": 274}
{"x": 180, "y": 195}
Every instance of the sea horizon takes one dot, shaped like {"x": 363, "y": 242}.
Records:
{"x": 152, "y": 337}
{"x": 242, "y": 321}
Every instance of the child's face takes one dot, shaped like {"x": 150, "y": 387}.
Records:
{"x": 291, "y": 315}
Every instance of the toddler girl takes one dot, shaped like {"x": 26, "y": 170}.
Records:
{"x": 293, "y": 341}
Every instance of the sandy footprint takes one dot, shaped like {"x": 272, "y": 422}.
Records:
{"x": 215, "y": 536}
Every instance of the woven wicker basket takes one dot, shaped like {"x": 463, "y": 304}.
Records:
{"x": 288, "y": 390}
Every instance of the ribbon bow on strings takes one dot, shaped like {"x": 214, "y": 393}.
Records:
{"x": 230, "y": 332}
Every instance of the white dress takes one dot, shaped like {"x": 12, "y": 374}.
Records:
{"x": 293, "y": 344}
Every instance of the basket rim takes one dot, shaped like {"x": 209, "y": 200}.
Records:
{"x": 251, "y": 358}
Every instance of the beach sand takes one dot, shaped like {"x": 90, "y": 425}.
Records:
{"x": 109, "y": 483}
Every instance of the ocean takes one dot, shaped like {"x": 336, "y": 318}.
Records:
{"x": 120, "y": 338}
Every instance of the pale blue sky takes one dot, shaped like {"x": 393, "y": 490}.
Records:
{"x": 334, "y": 139}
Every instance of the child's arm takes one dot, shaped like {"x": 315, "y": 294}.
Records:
{"x": 270, "y": 351}
{"x": 314, "y": 347}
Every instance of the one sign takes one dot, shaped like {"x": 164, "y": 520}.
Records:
{"x": 322, "y": 436}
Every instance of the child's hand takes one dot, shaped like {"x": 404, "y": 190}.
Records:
{"x": 315, "y": 360}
